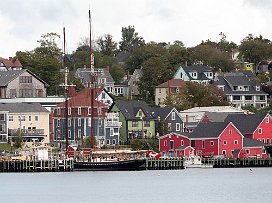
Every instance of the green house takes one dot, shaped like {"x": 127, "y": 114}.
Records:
{"x": 137, "y": 120}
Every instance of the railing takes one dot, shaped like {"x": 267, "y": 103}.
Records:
{"x": 113, "y": 123}
{"x": 27, "y": 131}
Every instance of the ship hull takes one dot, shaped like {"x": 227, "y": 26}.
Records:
{"x": 126, "y": 165}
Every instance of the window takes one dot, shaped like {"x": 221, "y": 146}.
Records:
{"x": 79, "y": 111}
{"x": 173, "y": 115}
{"x": 192, "y": 143}
{"x": 113, "y": 141}
{"x": 203, "y": 144}
{"x": 230, "y": 132}
{"x": 29, "y": 118}
{"x": 69, "y": 122}
{"x": 171, "y": 144}
{"x": 108, "y": 142}
{"x": 224, "y": 152}
{"x": 79, "y": 122}
{"x": 36, "y": 118}
{"x": 248, "y": 98}
{"x": 267, "y": 141}
{"x": 111, "y": 132}
{"x": 225, "y": 142}
{"x": 21, "y": 118}
{"x": 146, "y": 123}
{"x": 165, "y": 143}
{"x": 10, "y": 118}
{"x": 236, "y": 98}
{"x": 115, "y": 130}
{"x": 25, "y": 79}
{"x": 25, "y": 93}
{"x": 169, "y": 126}
{"x": 89, "y": 110}
{"x": 2, "y": 127}
{"x": 13, "y": 93}
{"x": 2, "y": 117}
{"x": 103, "y": 95}
{"x": 69, "y": 133}
{"x": 236, "y": 142}
{"x": 134, "y": 124}
{"x": 58, "y": 111}
{"x": 79, "y": 132}
{"x": 258, "y": 88}
{"x": 69, "y": 111}
{"x": 247, "y": 151}
{"x": 182, "y": 143}
{"x": 263, "y": 151}
{"x": 232, "y": 151}
{"x": 212, "y": 143}
{"x": 177, "y": 126}
{"x": 267, "y": 119}
{"x": 58, "y": 122}
{"x": 260, "y": 130}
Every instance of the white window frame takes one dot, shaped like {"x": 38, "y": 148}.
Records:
{"x": 173, "y": 115}
{"x": 69, "y": 134}
{"x": 182, "y": 143}
{"x": 79, "y": 132}
{"x": 89, "y": 110}
{"x": 79, "y": 110}
{"x": 230, "y": 132}
{"x": 267, "y": 119}
{"x": 165, "y": 143}
{"x": 211, "y": 143}
{"x": 79, "y": 122}
{"x": 36, "y": 118}
{"x": 225, "y": 142}
{"x": 69, "y": 122}
{"x": 224, "y": 152}
{"x": 177, "y": 126}
{"x": 235, "y": 142}
{"x": 69, "y": 110}
{"x": 11, "y": 118}
{"x": 260, "y": 131}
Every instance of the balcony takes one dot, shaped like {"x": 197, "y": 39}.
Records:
{"x": 27, "y": 131}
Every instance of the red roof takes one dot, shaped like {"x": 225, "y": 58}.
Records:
{"x": 173, "y": 83}
{"x": 83, "y": 98}
{"x": 10, "y": 64}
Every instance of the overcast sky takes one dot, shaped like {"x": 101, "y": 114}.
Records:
{"x": 190, "y": 21}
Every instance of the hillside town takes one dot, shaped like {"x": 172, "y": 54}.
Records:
{"x": 30, "y": 116}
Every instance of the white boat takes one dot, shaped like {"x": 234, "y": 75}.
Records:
{"x": 195, "y": 162}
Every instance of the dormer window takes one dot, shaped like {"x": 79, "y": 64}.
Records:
{"x": 194, "y": 74}
{"x": 258, "y": 88}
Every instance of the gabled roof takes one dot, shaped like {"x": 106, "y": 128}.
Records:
{"x": 23, "y": 108}
{"x": 173, "y": 83}
{"x": 246, "y": 123}
{"x": 163, "y": 112}
{"x": 229, "y": 81}
{"x": 184, "y": 134}
{"x": 247, "y": 142}
{"x": 208, "y": 130}
{"x": 82, "y": 99}
{"x": 9, "y": 64}
{"x": 184, "y": 147}
{"x": 84, "y": 74}
{"x": 7, "y": 76}
{"x": 200, "y": 71}
{"x": 218, "y": 116}
{"x": 130, "y": 108}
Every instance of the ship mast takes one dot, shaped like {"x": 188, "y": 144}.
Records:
{"x": 92, "y": 85}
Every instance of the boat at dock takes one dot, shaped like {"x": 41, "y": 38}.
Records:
{"x": 107, "y": 160}
{"x": 195, "y": 162}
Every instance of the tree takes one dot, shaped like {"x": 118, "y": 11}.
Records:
{"x": 255, "y": 49}
{"x": 17, "y": 139}
{"x": 106, "y": 45}
{"x": 177, "y": 55}
{"x": 224, "y": 45}
{"x": 195, "y": 94}
{"x": 130, "y": 39}
{"x": 142, "y": 54}
{"x": 155, "y": 71}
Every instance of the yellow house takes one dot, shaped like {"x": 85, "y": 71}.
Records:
{"x": 248, "y": 66}
{"x": 30, "y": 120}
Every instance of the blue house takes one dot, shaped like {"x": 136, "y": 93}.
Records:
{"x": 200, "y": 74}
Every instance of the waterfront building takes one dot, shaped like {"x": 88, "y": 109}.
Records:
{"x": 30, "y": 120}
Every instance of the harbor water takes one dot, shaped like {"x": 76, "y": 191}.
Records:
{"x": 189, "y": 185}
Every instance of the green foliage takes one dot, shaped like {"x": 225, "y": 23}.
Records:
{"x": 250, "y": 109}
{"x": 255, "y": 49}
{"x": 106, "y": 45}
{"x": 142, "y": 54}
{"x": 117, "y": 72}
{"x": 130, "y": 39}
{"x": 177, "y": 55}
{"x": 17, "y": 139}
{"x": 155, "y": 71}
{"x": 195, "y": 94}
{"x": 145, "y": 144}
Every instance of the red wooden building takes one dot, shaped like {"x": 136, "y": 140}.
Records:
{"x": 169, "y": 143}
{"x": 255, "y": 126}
{"x": 216, "y": 138}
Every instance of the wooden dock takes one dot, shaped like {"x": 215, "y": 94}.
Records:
{"x": 172, "y": 163}
{"x": 238, "y": 163}
{"x": 53, "y": 165}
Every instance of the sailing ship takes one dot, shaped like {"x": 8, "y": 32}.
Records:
{"x": 95, "y": 159}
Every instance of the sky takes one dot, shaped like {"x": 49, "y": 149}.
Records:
{"x": 190, "y": 21}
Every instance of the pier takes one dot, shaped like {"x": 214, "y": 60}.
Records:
{"x": 238, "y": 163}
{"x": 164, "y": 163}
{"x": 36, "y": 165}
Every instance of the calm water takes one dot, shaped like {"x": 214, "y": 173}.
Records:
{"x": 189, "y": 185}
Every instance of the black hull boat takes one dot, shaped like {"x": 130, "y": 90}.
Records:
{"x": 121, "y": 165}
